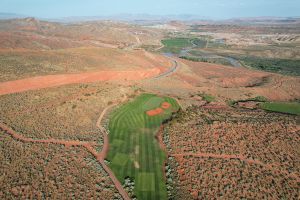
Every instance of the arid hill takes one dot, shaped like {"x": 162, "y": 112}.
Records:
{"x": 23, "y": 63}
{"x": 31, "y": 33}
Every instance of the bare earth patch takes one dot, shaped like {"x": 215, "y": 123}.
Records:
{"x": 154, "y": 112}
{"x": 165, "y": 105}
{"x": 64, "y": 79}
{"x": 157, "y": 111}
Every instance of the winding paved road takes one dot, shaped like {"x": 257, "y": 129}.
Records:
{"x": 171, "y": 70}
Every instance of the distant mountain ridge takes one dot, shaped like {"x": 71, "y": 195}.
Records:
{"x": 122, "y": 17}
{"x": 141, "y": 18}
{"x": 11, "y": 16}
{"x": 132, "y": 18}
{"x": 265, "y": 19}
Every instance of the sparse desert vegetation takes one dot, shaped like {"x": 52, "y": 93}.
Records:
{"x": 283, "y": 66}
{"x": 40, "y": 171}
{"x": 234, "y": 152}
{"x": 20, "y": 64}
{"x": 67, "y": 112}
{"x": 221, "y": 61}
{"x": 149, "y": 109}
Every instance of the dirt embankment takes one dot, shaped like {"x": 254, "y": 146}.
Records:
{"x": 237, "y": 83}
{"x": 40, "y": 82}
{"x": 126, "y": 66}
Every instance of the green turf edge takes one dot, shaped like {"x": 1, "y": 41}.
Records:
{"x": 129, "y": 123}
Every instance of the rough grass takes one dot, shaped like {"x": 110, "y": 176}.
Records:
{"x": 207, "y": 97}
{"x": 256, "y": 99}
{"x": 132, "y": 133}
{"x": 282, "y": 107}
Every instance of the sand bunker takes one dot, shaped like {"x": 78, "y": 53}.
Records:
{"x": 157, "y": 111}
{"x": 154, "y": 112}
{"x": 165, "y": 105}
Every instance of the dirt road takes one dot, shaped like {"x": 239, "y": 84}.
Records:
{"x": 102, "y": 155}
{"x": 90, "y": 146}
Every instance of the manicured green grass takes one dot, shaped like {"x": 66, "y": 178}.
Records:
{"x": 145, "y": 182}
{"x": 177, "y": 42}
{"x": 120, "y": 159}
{"x": 290, "y": 108}
{"x": 153, "y": 103}
{"x": 200, "y": 42}
{"x": 134, "y": 152}
{"x": 175, "y": 45}
{"x": 117, "y": 143}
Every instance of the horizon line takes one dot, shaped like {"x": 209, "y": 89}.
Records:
{"x": 196, "y": 17}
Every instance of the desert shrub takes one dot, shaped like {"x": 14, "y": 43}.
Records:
{"x": 283, "y": 66}
{"x": 207, "y": 97}
{"x": 221, "y": 61}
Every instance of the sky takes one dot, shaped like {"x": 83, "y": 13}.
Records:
{"x": 214, "y": 9}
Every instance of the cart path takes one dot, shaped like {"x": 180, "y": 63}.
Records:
{"x": 102, "y": 155}
{"x": 241, "y": 158}
{"x": 89, "y": 146}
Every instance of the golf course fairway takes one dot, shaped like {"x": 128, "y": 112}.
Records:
{"x": 133, "y": 150}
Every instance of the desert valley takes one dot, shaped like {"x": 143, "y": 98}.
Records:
{"x": 150, "y": 109}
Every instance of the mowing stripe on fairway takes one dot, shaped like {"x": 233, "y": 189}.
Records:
{"x": 132, "y": 133}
